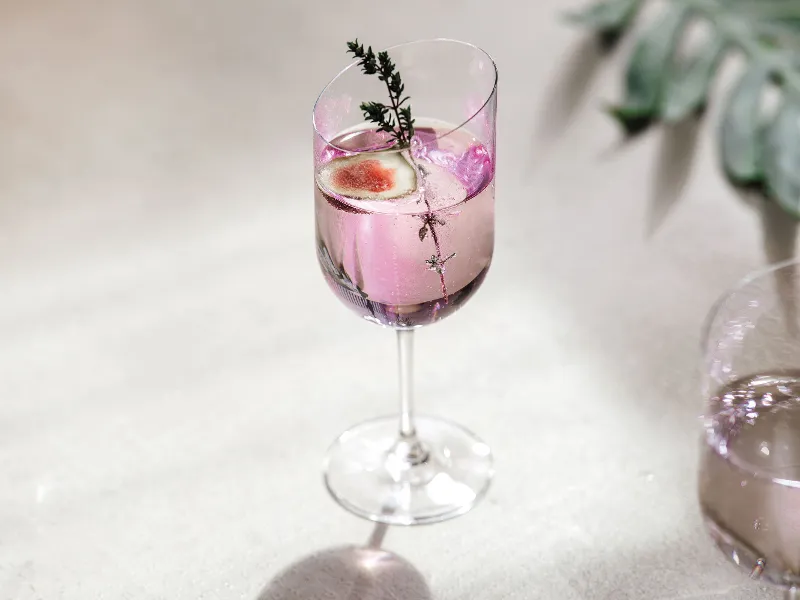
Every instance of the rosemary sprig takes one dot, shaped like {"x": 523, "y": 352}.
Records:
{"x": 395, "y": 118}
{"x": 429, "y": 221}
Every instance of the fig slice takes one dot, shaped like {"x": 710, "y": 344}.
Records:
{"x": 369, "y": 176}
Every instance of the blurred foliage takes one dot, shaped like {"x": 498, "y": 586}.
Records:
{"x": 759, "y": 144}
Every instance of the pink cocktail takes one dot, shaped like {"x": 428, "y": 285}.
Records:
{"x": 412, "y": 260}
{"x": 405, "y": 234}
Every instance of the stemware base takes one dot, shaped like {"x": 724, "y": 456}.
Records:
{"x": 373, "y": 473}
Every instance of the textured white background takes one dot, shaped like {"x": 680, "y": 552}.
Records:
{"x": 172, "y": 366}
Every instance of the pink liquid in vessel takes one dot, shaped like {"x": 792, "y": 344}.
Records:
{"x": 410, "y": 261}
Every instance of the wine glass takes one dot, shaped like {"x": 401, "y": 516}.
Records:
{"x": 749, "y": 484}
{"x": 405, "y": 236}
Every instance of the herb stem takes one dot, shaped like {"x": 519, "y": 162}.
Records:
{"x": 401, "y": 125}
{"x": 396, "y": 109}
{"x": 438, "y": 247}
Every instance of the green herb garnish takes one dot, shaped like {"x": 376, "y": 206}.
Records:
{"x": 436, "y": 262}
{"x": 395, "y": 118}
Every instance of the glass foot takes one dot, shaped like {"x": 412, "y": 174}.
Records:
{"x": 376, "y": 475}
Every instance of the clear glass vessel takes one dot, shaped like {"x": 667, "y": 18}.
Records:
{"x": 405, "y": 237}
{"x": 749, "y": 483}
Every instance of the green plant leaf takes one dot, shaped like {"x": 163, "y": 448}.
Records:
{"x": 644, "y": 82}
{"x": 767, "y": 34}
{"x": 739, "y": 143}
{"x": 767, "y": 9}
{"x": 782, "y": 156}
{"x": 609, "y": 17}
{"x": 632, "y": 119}
{"x": 686, "y": 87}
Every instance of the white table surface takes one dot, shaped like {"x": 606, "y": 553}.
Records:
{"x": 172, "y": 366}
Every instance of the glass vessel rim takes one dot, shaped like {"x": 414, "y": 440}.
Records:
{"x": 403, "y": 45}
{"x": 732, "y": 291}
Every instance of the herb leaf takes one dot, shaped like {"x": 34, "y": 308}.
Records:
{"x": 395, "y": 118}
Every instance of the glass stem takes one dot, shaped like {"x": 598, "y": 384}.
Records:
{"x": 405, "y": 364}
{"x": 408, "y": 445}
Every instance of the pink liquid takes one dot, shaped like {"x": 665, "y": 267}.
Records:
{"x": 413, "y": 260}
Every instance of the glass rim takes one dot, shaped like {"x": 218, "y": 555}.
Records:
{"x": 742, "y": 283}
{"x": 353, "y": 64}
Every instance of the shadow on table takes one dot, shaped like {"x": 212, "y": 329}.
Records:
{"x": 568, "y": 91}
{"x": 349, "y": 573}
{"x": 673, "y": 169}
